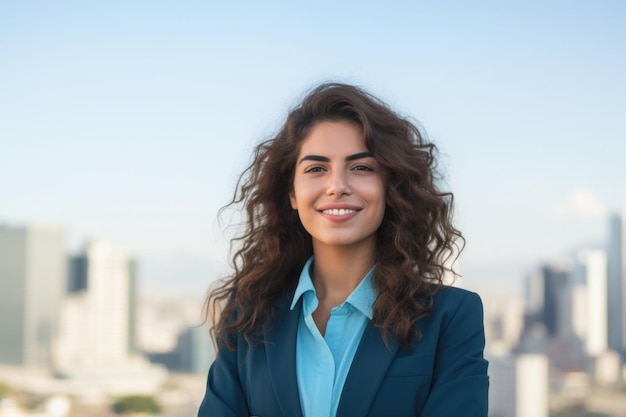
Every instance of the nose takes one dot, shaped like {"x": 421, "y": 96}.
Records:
{"x": 338, "y": 184}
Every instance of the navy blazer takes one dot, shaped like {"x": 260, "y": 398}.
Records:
{"x": 443, "y": 374}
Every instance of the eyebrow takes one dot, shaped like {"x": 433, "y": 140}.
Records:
{"x": 320, "y": 158}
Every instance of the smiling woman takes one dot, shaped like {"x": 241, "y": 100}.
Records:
{"x": 337, "y": 305}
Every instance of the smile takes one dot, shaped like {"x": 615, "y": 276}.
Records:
{"x": 338, "y": 212}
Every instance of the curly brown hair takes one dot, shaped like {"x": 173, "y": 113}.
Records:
{"x": 415, "y": 243}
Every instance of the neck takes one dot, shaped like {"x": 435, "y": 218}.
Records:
{"x": 338, "y": 271}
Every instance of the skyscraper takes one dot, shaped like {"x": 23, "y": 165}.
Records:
{"x": 554, "y": 279}
{"x": 616, "y": 284}
{"x": 32, "y": 283}
{"x": 518, "y": 386}
{"x": 588, "y": 311}
{"x": 97, "y": 320}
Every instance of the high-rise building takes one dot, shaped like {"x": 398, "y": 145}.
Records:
{"x": 556, "y": 279}
{"x": 543, "y": 296}
{"x": 195, "y": 350}
{"x": 97, "y": 329}
{"x": 32, "y": 283}
{"x": 616, "y": 285}
{"x": 589, "y": 309}
{"x": 557, "y": 314}
{"x": 518, "y": 386}
{"x": 534, "y": 290}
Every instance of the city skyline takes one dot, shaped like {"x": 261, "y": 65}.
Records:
{"x": 560, "y": 335}
{"x": 132, "y": 122}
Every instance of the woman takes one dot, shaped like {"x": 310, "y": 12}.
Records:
{"x": 337, "y": 305}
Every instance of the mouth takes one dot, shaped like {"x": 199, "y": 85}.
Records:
{"x": 338, "y": 212}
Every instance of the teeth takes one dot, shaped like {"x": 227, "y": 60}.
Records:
{"x": 338, "y": 212}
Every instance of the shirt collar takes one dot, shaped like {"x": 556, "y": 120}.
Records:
{"x": 364, "y": 295}
{"x": 362, "y": 298}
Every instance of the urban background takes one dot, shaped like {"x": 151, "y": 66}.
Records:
{"x": 124, "y": 126}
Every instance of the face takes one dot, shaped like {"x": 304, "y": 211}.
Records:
{"x": 338, "y": 187}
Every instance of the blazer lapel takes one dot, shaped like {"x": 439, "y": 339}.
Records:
{"x": 281, "y": 359}
{"x": 369, "y": 366}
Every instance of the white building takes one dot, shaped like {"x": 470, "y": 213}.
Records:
{"x": 593, "y": 303}
{"x": 32, "y": 283}
{"x": 97, "y": 318}
{"x": 606, "y": 368}
{"x": 518, "y": 386}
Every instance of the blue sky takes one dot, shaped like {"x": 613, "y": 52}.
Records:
{"x": 130, "y": 121}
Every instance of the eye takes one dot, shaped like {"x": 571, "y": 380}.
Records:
{"x": 313, "y": 169}
{"x": 362, "y": 167}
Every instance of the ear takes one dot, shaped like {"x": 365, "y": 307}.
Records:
{"x": 292, "y": 200}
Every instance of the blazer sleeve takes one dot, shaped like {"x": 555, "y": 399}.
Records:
{"x": 460, "y": 383}
{"x": 224, "y": 395}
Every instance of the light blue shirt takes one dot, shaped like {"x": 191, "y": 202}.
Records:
{"x": 323, "y": 362}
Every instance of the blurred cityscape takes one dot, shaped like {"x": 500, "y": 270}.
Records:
{"x": 78, "y": 339}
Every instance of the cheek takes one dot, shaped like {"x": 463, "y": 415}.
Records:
{"x": 378, "y": 193}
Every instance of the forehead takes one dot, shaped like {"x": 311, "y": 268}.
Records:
{"x": 333, "y": 138}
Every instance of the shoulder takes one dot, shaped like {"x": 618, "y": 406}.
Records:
{"x": 450, "y": 297}
{"x": 458, "y": 306}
